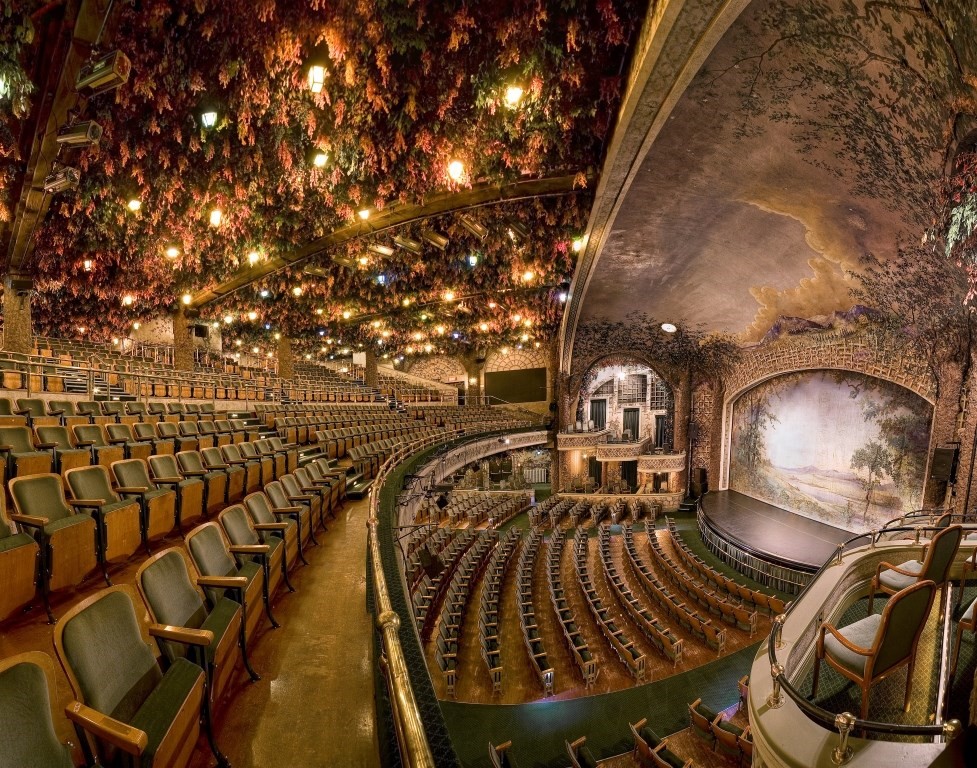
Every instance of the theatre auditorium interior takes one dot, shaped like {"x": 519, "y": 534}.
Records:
{"x": 468, "y": 384}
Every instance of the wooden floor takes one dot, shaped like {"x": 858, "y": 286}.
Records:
{"x": 520, "y": 683}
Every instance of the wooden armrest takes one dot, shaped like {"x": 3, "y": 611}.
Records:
{"x": 131, "y": 489}
{"x": 201, "y": 637}
{"x": 249, "y": 549}
{"x": 223, "y": 582}
{"x": 46, "y": 446}
{"x": 578, "y": 743}
{"x": 6, "y": 448}
{"x": 287, "y": 510}
{"x": 640, "y": 724}
{"x": 237, "y": 461}
{"x": 87, "y": 503}
{"x": 270, "y": 526}
{"x": 32, "y": 520}
{"x": 194, "y": 472}
{"x": 300, "y": 498}
{"x": 118, "y": 440}
{"x": 168, "y": 480}
{"x": 503, "y": 746}
{"x": 84, "y": 443}
{"x": 52, "y": 412}
{"x": 122, "y": 736}
{"x": 23, "y": 412}
{"x": 891, "y": 567}
{"x": 218, "y": 466}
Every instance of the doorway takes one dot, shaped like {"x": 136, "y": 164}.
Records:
{"x": 631, "y": 423}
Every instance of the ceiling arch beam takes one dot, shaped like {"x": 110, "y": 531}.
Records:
{"x": 392, "y": 216}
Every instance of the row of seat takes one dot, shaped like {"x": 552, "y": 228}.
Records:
{"x": 661, "y": 636}
{"x": 730, "y": 610}
{"x": 489, "y": 602}
{"x": 626, "y": 650}
{"x": 428, "y": 591}
{"x": 455, "y": 604}
{"x": 769, "y": 604}
{"x": 586, "y": 661}
{"x": 476, "y": 508}
{"x": 700, "y": 627}
{"x": 722, "y": 735}
{"x": 527, "y": 614}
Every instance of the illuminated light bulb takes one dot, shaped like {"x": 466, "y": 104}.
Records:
{"x": 492, "y": 305}
{"x": 527, "y": 275}
{"x": 254, "y": 350}
{"x": 516, "y": 318}
{"x": 620, "y": 375}
{"x": 347, "y": 314}
{"x": 319, "y": 159}
{"x": 524, "y": 337}
{"x": 456, "y": 169}
{"x": 228, "y": 319}
{"x": 253, "y": 258}
{"x": 87, "y": 265}
{"x": 136, "y": 326}
{"x": 216, "y": 216}
{"x": 536, "y": 345}
{"x": 318, "y": 311}
{"x": 364, "y": 261}
{"x": 440, "y": 330}
{"x": 252, "y": 315}
{"x": 308, "y": 357}
{"x": 409, "y": 350}
{"x": 528, "y": 323}
{"x": 324, "y": 349}
{"x": 563, "y": 297}
{"x": 669, "y": 327}
{"x": 578, "y": 244}
{"x": 187, "y": 298}
{"x": 267, "y": 354}
{"x": 172, "y": 252}
{"x": 134, "y": 204}
{"x": 386, "y": 357}
{"x": 473, "y": 260}
{"x": 406, "y": 302}
{"x": 375, "y": 323}
{"x": 128, "y": 300}
{"x": 417, "y": 336}
{"x": 237, "y": 342}
{"x": 427, "y": 348}
{"x": 278, "y": 337}
{"x": 297, "y": 290}
{"x": 483, "y": 327}
{"x": 385, "y": 334}
{"x": 82, "y": 329}
{"x": 364, "y": 214}
{"x": 115, "y": 340}
{"x": 317, "y": 78}
{"x": 449, "y": 295}
{"x": 263, "y": 293}
{"x": 513, "y": 95}
{"x": 505, "y": 350}
{"x": 473, "y": 380}
{"x": 424, "y": 316}
{"x": 209, "y": 119}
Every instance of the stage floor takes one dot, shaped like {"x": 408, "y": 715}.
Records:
{"x": 768, "y": 530}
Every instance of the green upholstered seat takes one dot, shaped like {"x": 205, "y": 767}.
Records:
{"x": 32, "y": 407}
{"x": 212, "y": 558}
{"x": 191, "y": 465}
{"x": 63, "y": 452}
{"x": 7, "y": 407}
{"x": 112, "y": 670}
{"x": 239, "y": 529}
{"x": 934, "y": 567}
{"x": 27, "y": 737}
{"x": 189, "y": 491}
{"x": 862, "y": 633}
{"x": 94, "y": 483}
{"x": 213, "y": 460}
{"x": 102, "y": 450}
{"x": 21, "y": 456}
{"x": 586, "y": 758}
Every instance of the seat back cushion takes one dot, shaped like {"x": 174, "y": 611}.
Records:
{"x": 172, "y": 596}
{"x": 164, "y": 466}
{"x": 40, "y": 495}
{"x": 18, "y": 438}
{"x": 91, "y": 483}
{"x": 28, "y": 736}
{"x": 132, "y": 473}
{"x": 90, "y": 433}
{"x": 237, "y": 525}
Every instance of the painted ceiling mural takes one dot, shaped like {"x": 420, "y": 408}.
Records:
{"x": 812, "y": 143}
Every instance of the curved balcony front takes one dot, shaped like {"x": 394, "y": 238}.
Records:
{"x": 580, "y": 441}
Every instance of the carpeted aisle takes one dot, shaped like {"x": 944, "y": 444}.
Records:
{"x": 538, "y": 730}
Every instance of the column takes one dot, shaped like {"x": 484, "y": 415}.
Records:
{"x": 473, "y": 370}
{"x": 370, "y": 376}
{"x": 286, "y": 362}
{"x": 17, "y": 336}
{"x": 682, "y": 393}
{"x": 182, "y": 342}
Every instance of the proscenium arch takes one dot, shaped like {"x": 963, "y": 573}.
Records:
{"x": 863, "y": 370}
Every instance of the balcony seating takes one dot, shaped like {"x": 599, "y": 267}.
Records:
{"x": 158, "y": 506}
{"x": 500, "y": 757}
{"x": 28, "y": 696}
{"x": 168, "y": 430}
{"x": 190, "y": 491}
{"x": 104, "y": 413}
{"x": 93, "y": 437}
{"x": 266, "y": 450}
{"x": 146, "y": 432}
{"x": 21, "y": 457}
{"x": 266, "y": 462}
{"x": 215, "y": 483}
{"x": 36, "y": 412}
{"x": 651, "y": 750}
{"x": 208, "y": 431}
{"x": 172, "y": 591}
{"x": 213, "y": 461}
{"x": 66, "y": 538}
{"x": 124, "y": 702}
{"x": 874, "y": 647}
{"x": 189, "y": 431}
{"x": 213, "y": 555}
{"x": 933, "y": 565}
{"x": 321, "y": 470}
{"x": 280, "y": 502}
{"x": 19, "y": 561}
{"x": 327, "y": 487}
{"x": 580, "y": 755}
{"x": 66, "y": 412}
{"x": 121, "y": 435}
{"x": 309, "y": 496}
{"x": 119, "y": 520}
{"x": 241, "y": 530}
{"x": 262, "y": 514}
{"x": 64, "y": 454}
{"x": 252, "y": 469}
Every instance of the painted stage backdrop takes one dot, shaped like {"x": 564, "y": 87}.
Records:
{"x": 842, "y": 448}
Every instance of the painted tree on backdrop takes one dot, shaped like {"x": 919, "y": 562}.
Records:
{"x": 876, "y": 462}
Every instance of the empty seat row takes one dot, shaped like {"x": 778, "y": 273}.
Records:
{"x": 527, "y": 614}
{"x": 586, "y": 661}
{"x": 489, "y": 602}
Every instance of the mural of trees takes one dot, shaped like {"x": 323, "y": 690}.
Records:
{"x": 876, "y": 462}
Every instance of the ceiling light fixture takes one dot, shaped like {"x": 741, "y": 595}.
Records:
{"x": 472, "y": 259}
{"x": 320, "y": 158}
{"x": 136, "y": 325}
{"x": 364, "y": 214}
{"x": 228, "y": 319}
{"x": 513, "y": 95}
{"x": 456, "y": 170}
{"x": 527, "y": 276}
{"x": 347, "y": 314}
{"x": 216, "y": 216}
{"x": 483, "y": 327}
{"x": 208, "y": 118}
{"x": 172, "y": 252}
{"x": 128, "y": 300}
{"x": 263, "y": 293}
{"x": 669, "y": 327}
{"x": 563, "y": 297}
{"x": 492, "y": 305}
{"x": 317, "y": 78}
{"x": 406, "y": 302}
{"x": 187, "y": 298}
{"x": 479, "y": 230}
{"x": 252, "y": 315}
{"x": 253, "y": 258}
{"x": 449, "y": 295}
{"x": 297, "y": 291}
{"x": 134, "y": 204}
{"x": 579, "y": 243}
{"x": 381, "y": 250}
{"x": 87, "y": 265}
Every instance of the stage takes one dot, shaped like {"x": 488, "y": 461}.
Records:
{"x": 771, "y": 533}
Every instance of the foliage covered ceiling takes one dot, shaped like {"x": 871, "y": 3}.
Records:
{"x": 813, "y": 147}
{"x": 409, "y": 87}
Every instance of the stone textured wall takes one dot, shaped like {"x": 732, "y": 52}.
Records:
{"x": 517, "y": 360}
{"x": 438, "y": 368}
{"x": 17, "y": 332}
{"x": 701, "y": 432}
{"x": 182, "y": 342}
{"x": 286, "y": 359}
{"x": 156, "y": 331}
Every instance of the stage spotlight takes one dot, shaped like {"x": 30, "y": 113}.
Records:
{"x": 103, "y": 74}
{"x": 381, "y": 250}
{"x": 62, "y": 179}
{"x": 436, "y": 239}
{"x": 86, "y": 134}
{"x": 408, "y": 244}
{"x": 479, "y": 230}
